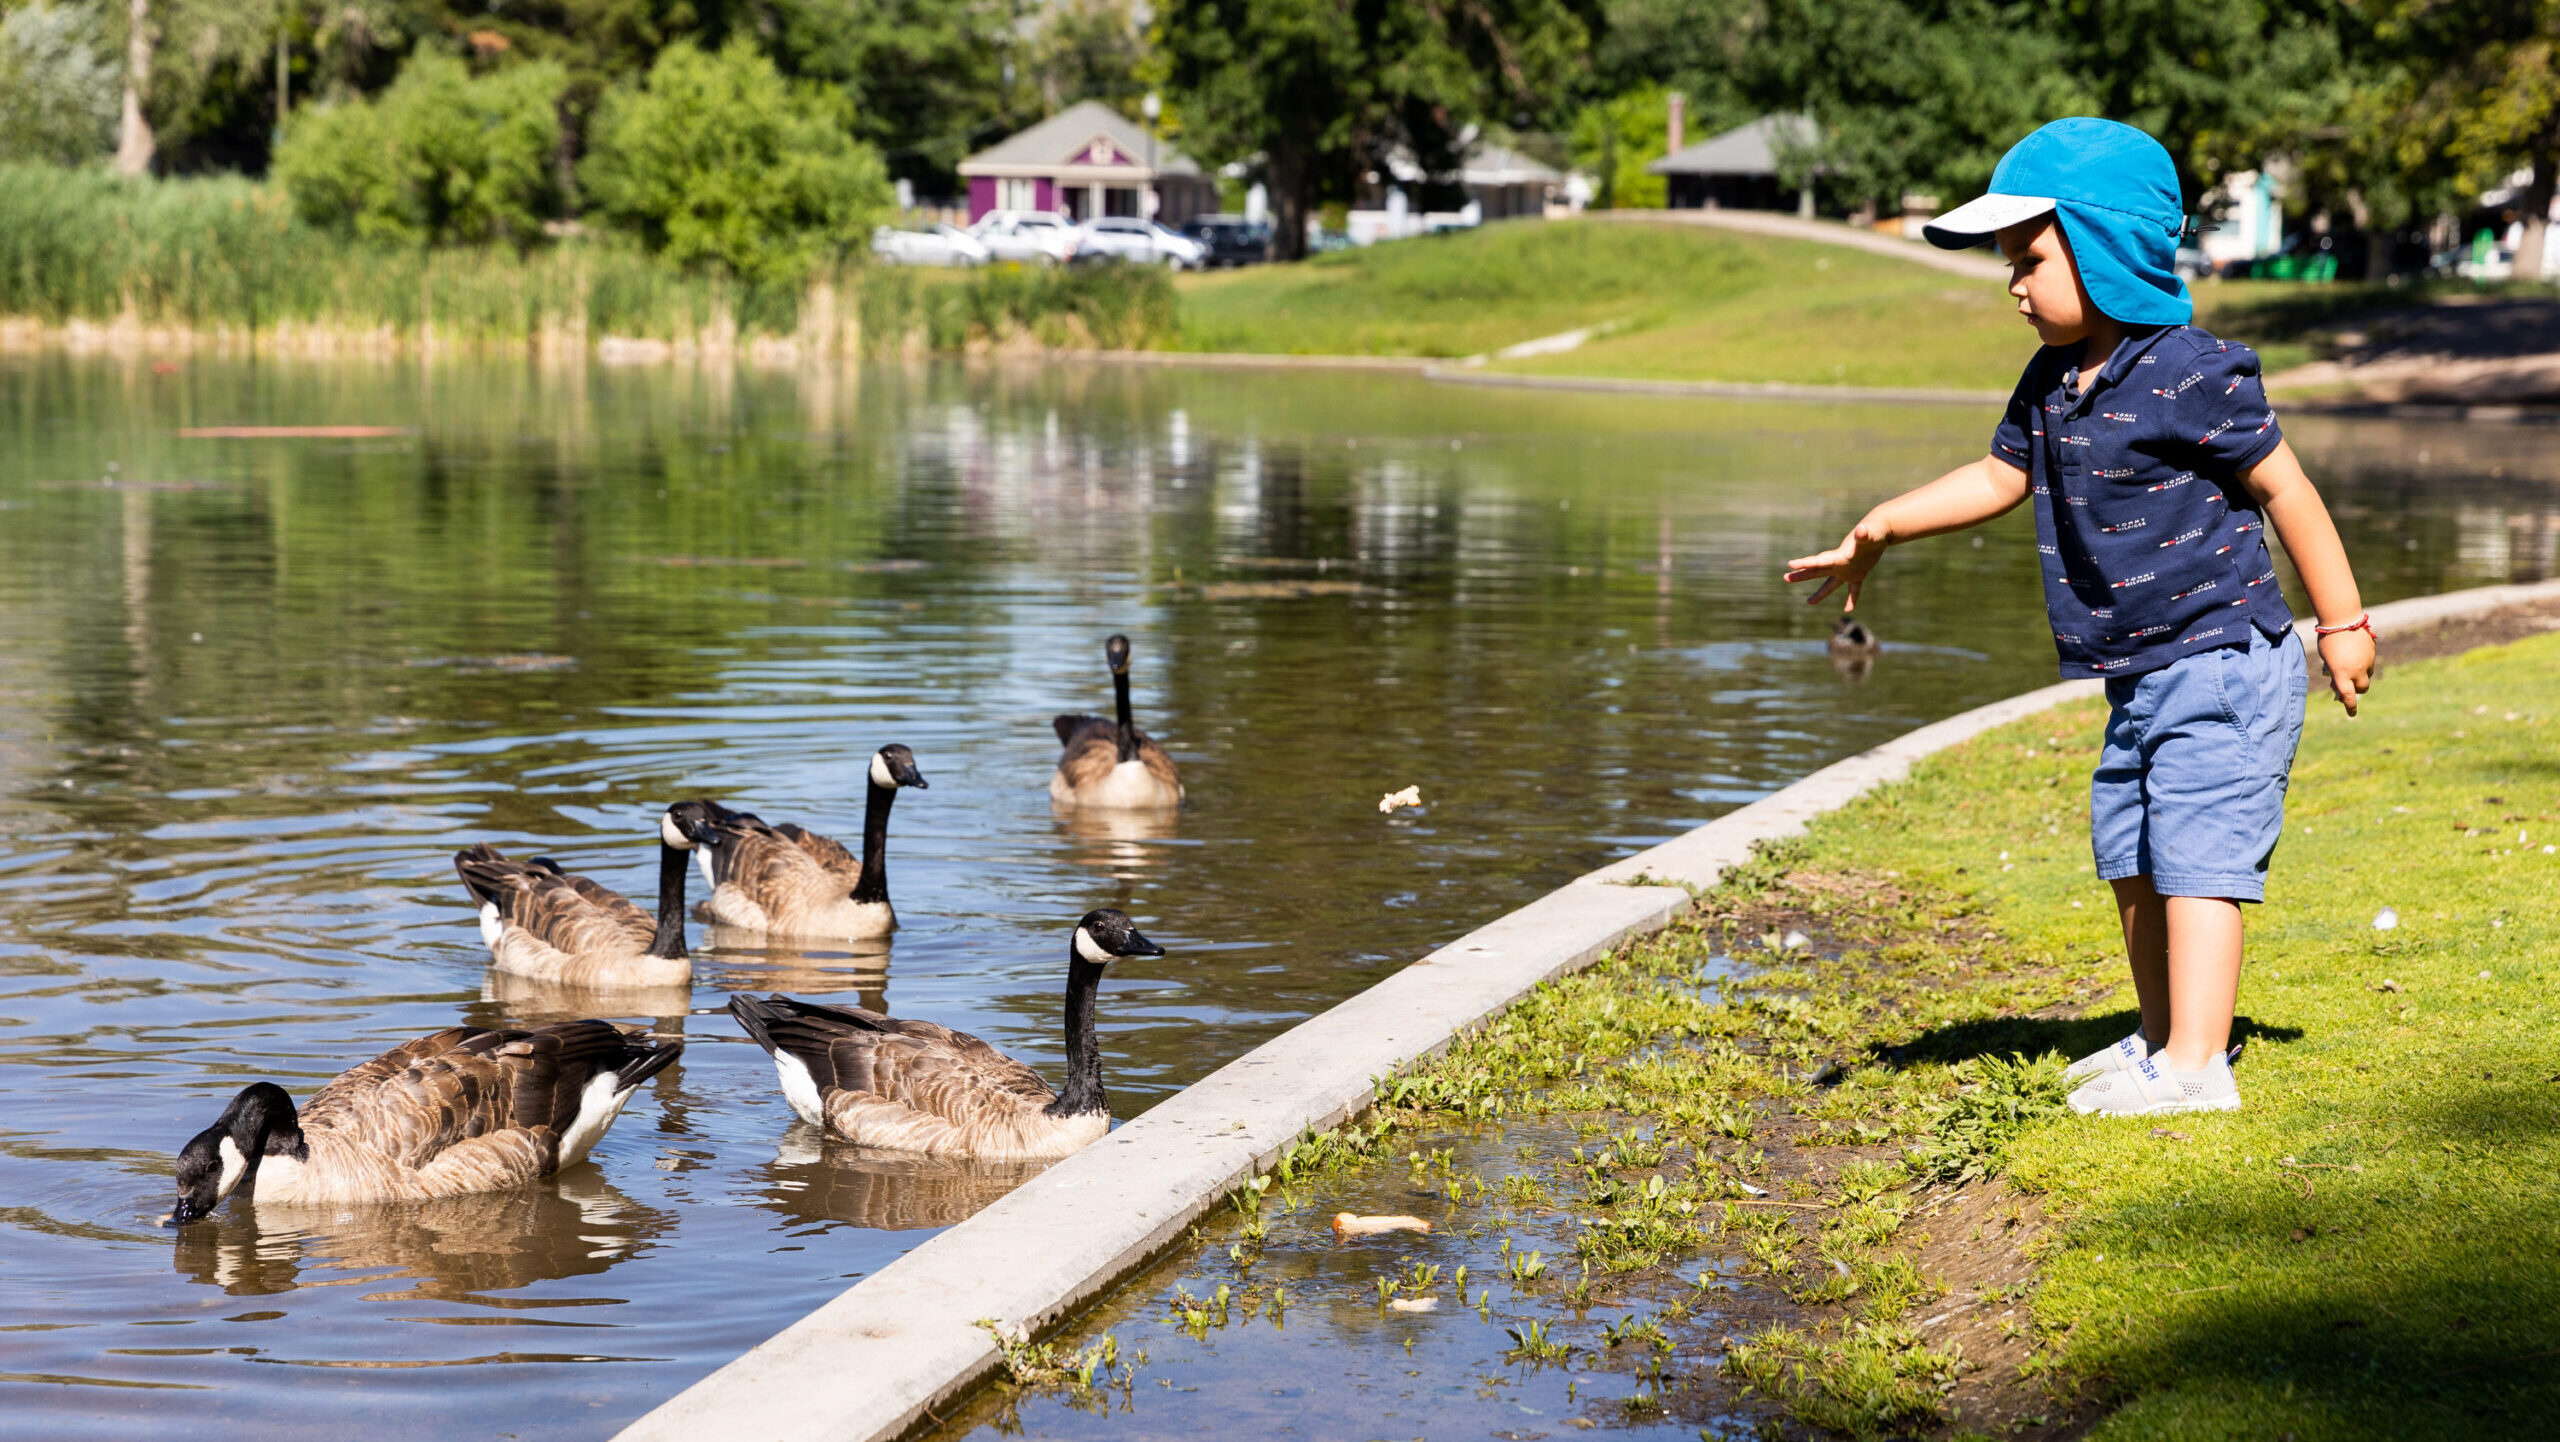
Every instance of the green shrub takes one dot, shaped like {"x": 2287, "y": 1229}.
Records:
{"x": 1614, "y": 139}
{"x": 442, "y": 157}
{"x": 58, "y": 91}
{"x": 716, "y": 160}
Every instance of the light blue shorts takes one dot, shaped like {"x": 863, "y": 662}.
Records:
{"x": 2190, "y": 782}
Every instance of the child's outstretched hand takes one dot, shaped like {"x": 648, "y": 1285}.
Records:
{"x": 1846, "y": 564}
{"x": 2348, "y": 655}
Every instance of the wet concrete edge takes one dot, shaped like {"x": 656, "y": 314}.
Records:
{"x": 887, "y": 1353}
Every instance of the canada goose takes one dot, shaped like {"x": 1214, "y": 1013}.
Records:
{"x": 541, "y": 922}
{"x": 1108, "y": 764}
{"x": 784, "y": 881}
{"x": 1853, "y": 648}
{"x": 466, "y": 1109}
{"x": 912, "y": 1086}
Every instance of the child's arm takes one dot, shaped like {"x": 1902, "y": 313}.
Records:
{"x": 2302, "y": 523}
{"x": 1966, "y": 496}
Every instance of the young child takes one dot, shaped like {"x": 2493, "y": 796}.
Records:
{"x": 2155, "y": 466}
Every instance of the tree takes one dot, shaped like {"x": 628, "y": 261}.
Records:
{"x": 58, "y": 94}
{"x": 2478, "y": 88}
{"x": 1088, "y": 50}
{"x": 717, "y": 160}
{"x": 1911, "y": 96}
{"x": 1317, "y": 92}
{"x": 1614, "y": 138}
{"x": 441, "y": 157}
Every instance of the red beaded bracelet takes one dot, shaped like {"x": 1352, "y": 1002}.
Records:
{"x": 2362, "y": 623}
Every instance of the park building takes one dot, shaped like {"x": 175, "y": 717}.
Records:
{"x": 1085, "y": 162}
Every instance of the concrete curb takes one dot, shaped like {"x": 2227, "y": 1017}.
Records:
{"x": 890, "y": 1351}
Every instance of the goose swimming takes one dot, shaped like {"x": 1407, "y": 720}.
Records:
{"x": 1112, "y": 763}
{"x": 466, "y": 1109}
{"x": 913, "y": 1086}
{"x": 541, "y": 922}
{"x": 785, "y": 881}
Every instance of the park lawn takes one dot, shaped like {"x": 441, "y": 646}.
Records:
{"x": 1681, "y": 304}
{"x": 2366, "y": 1249}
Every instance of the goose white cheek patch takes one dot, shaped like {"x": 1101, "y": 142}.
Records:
{"x": 668, "y": 833}
{"x": 880, "y": 771}
{"x": 1091, "y": 950}
{"x": 234, "y": 1167}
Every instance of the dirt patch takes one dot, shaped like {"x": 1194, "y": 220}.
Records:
{"x": 2451, "y": 638}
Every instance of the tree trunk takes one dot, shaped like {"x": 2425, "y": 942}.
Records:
{"x": 1292, "y": 185}
{"x": 2377, "y": 243}
{"x": 133, "y": 141}
{"x": 2537, "y": 209}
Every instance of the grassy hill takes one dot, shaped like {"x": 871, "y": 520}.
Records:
{"x": 1680, "y": 304}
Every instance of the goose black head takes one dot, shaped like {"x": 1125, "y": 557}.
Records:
{"x": 689, "y": 824}
{"x": 894, "y": 766}
{"x": 215, "y": 1161}
{"x": 1105, "y": 936}
{"x": 1116, "y": 651}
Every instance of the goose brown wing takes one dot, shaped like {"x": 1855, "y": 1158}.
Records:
{"x": 1158, "y": 764}
{"x": 776, "y": 870}
{"x": 825, "y": 850}
{"x": 1092, "y": 749}
{"x": 918, "y": 1064}
{"x": 413, "y": 1102}
{"x": 568, "y": 913}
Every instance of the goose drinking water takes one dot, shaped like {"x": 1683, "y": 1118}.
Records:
{"x": 466, "y": 1109}
{"x": 913, "y": 1086}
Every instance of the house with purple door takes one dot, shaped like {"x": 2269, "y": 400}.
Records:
{"x": 1088, "y": 160}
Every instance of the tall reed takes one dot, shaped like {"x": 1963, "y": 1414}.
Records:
{"x": 224, "y": 254}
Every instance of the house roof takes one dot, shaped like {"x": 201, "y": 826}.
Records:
{"x": 1744, "y": 150}
{"x": 1485, "y": 165}
{"x": 1084, "y": 137}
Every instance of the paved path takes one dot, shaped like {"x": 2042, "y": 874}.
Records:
{"x": 1975, "y": 264}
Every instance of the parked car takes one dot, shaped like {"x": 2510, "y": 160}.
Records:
{"x": 936, "y": 245}
{"x": 1027, "y": 237}
{"x": 2304, "y": 257}
{"x": 1140, "y": 242}
{"x": 1231, "y": 240}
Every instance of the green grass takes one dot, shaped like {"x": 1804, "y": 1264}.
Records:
{"x": 2364, "y": 1250}
{"x": 1684, "y": 304}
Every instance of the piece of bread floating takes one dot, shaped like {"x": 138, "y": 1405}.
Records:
{"x": 1410, "y": 796}
{"x": 1415, "y": 1304}
{"x": 1347, "y": 1225}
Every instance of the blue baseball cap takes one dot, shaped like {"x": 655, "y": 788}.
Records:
{"x": 2115, "y": 191}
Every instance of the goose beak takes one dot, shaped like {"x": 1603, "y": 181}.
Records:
{"x": 1137, "y": 945}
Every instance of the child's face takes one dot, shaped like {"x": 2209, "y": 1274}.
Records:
{"x": 2046, "y": 283}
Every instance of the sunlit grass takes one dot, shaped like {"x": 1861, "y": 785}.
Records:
{"x": 2363, "y": 1250}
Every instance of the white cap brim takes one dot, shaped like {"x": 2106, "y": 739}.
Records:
{"x": 1979, "y": 219}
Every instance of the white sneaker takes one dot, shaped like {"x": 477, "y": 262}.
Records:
{"x": 2150, "y": 1089}
{"x": 2119, "y": 1057}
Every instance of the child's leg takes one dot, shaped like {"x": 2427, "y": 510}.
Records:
{"x": 2186, "y": 969}
{"x": 2204, "y": 978}
{"x": 2146, "y": 943}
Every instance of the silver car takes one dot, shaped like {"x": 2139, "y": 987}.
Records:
{"x": 935, "y": 245}
{"x": 1140, "y": 242}
{"x": 1027, "y": 237}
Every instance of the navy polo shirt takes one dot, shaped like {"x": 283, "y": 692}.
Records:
{"x": 2151, "y": 548}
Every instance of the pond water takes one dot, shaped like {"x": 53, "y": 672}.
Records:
{"x": 255, "y": 693}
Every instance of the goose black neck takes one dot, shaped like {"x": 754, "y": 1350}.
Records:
{"x": 873, "y": 884}
{"x": 265, "y": 1124}
{"x": 672, "y": 865}
{"x": 1128, "y": 728}
{"x": 1083, "y": 1094}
